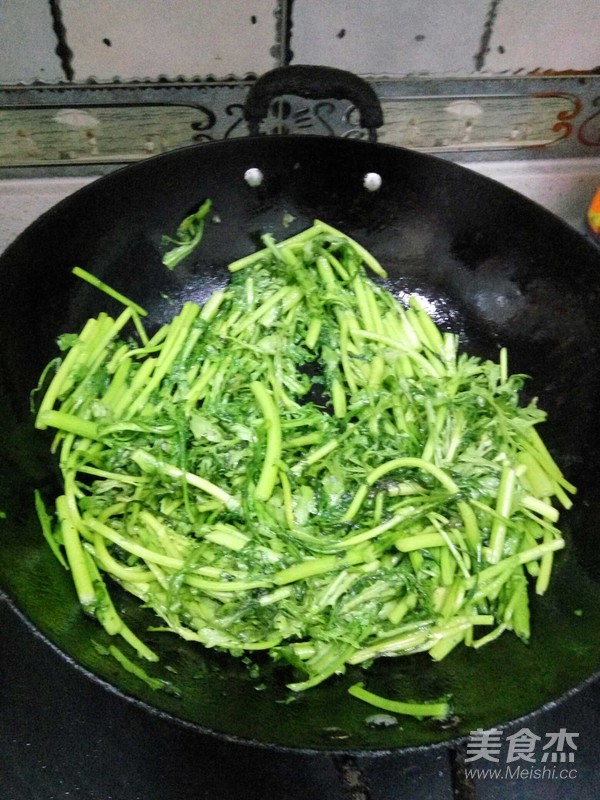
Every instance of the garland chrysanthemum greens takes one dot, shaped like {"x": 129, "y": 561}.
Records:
{"x": 303, "y": 465}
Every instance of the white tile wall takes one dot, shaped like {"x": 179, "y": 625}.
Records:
{"x": 389, "y": 37}
{"x": 27, "y": 42}
{"x": 545, "y": 34}
{"x": 148, "y": 38}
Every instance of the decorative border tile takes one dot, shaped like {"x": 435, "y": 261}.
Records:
{"x": 588, "y": 133}
{"x": 108, "y": 133}
{"x": 77, "y": 128}
{"x": 107, "y": 124}
{"x": 461, "y": 124}
{"x": 530, "y": 117}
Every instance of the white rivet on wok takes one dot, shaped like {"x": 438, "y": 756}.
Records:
{"x": 372, "y": 181}
{"x": 253, "y": 177}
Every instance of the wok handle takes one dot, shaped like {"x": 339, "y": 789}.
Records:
{"x": 307, "y": 80}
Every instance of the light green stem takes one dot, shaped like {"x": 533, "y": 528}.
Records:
{"x": 268, "y": 476}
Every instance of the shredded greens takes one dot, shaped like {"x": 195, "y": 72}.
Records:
{"x": 305, "y": 465}
{"x": 188, "y": 236}
{"x": 439, "y": 709}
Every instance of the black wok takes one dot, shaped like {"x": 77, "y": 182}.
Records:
{"x": 498, "y": 269}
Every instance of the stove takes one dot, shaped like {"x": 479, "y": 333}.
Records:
{"x": 56, "y": 764}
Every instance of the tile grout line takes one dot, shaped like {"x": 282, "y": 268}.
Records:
{"x": 486, "y": 36}
{"x": 62, "y": 49}
{"x": 286, "y": 22}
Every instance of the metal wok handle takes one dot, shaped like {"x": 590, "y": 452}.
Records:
{"x": 306, "y": 80}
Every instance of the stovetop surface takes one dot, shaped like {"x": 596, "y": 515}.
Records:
{"x": 41, "y": 763}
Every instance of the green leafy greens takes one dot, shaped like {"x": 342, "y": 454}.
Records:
{"x": 188, "y": 237}
{"x": 401, "y": 508}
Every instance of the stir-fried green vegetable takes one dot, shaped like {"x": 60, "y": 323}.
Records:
{"x": 438, "y": 709}
{"x": 402, "y": 513}
{"x": 189, "y": 235}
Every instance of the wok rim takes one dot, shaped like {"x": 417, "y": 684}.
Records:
{"x": 583, "y": 237}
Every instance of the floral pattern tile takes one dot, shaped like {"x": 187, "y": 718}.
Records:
{"x": 113, "y": 125}
{"x": 86, "y": 134}
{"x": 467, "y": 123}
